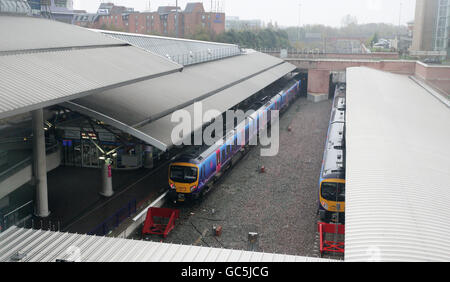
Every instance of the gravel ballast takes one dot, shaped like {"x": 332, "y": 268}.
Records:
{"x": 280, "y": 204}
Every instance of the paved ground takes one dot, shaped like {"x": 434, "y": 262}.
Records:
{"x": 76, "y": 205}
{"x": 279, "y": 204}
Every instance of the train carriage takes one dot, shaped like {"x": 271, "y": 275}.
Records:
{"x": 331, "y": 193}
{"x": 191, "y": 175}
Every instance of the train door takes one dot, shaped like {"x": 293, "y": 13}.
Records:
{"x": 218, "y": 166}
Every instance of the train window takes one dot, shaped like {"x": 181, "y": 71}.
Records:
{"x": 223, "y": 155}
{"x": 333, "y": 191}
{"x": 183, "y": 174}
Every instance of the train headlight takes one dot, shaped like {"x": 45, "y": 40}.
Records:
{"x": 172, "y": 186}
{"x": 325, "y": 205}
{"x": 193, "y": 188}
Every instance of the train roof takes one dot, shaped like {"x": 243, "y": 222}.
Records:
{"x": 290, "y": 84}
{"x": 334, "y": 164}
{"x": 340, "y": 91}
{"x": 336, "y": 135}
{"x": 337, "y": 116}
{"x": 340, "y": 103}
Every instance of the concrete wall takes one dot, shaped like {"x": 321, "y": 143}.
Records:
{"x": 437, "y": 76}
{"x": 318, "y": 84}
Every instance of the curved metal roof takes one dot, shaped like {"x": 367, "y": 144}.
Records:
{"x": 31, "y": 33}
{"x": 31, "y": 245}
{"x": 398, "y": 170}
{"x": 144, "y": 109}
{"x": 44, "y": 62}
{"x": 182, "y": 51}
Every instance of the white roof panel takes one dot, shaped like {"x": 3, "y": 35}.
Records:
{"x": 144, "y": 109}
{"x": 31, "y": 33}
{"x": 34, "y": 80}
{"x": 48, "y": 246}
{"x": 398, "y": 170}
{"x": 161, "y": 129}
{"x": 180, "y": 50}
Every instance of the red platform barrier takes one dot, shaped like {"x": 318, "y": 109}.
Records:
{"x": 330, "y": 246}
{"x": 151, "y": 227}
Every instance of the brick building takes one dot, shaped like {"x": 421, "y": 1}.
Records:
{"x": 161, "y": 22}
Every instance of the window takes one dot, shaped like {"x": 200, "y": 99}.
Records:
{"x": 333, "y": 191}
{"x": 223, "y": 155}
{"x": 183, "y": 174}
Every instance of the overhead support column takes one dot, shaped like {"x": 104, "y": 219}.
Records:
{"x": 106, "y": 189}
{"x": 40, "y": 164}
{"x": 318, "y": 85}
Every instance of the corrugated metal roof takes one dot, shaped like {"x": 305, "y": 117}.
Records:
{"x": 31, "y": 245}
{"x": 141, "y": 105}
{"x": 398, "y": 170}
{"x": 31, "y": 33}
{"x": 161, "y": 129}
{"x": 15, "y": 7}
{"x": 183, "y": 51}
{"x": 31, "y": 81}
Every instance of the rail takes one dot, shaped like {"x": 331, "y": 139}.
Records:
{"x": 203, "y": 56}
{"x": 14, "y": 7}
{"x": 17, "y": 216}
{"x": 115, "y": 220}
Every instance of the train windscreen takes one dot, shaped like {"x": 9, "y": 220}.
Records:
{"x": 333, "y": 191}
{"x": 183, "y": 174}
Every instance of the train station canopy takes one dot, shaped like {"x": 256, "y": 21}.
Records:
{"x": 183, "y": 51}
{"x": 144, "y": 109}
{"x": 44, "y": 62}
{"x": 31, "y": 245}
{"x": 398, "y": 169}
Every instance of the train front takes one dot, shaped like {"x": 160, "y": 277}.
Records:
{"x": 332, "y": 200}
{"x": 183, "y": 180}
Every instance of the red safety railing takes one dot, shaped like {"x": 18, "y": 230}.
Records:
{"x": 151, "y": 226}
{"x": 330, "y": 246}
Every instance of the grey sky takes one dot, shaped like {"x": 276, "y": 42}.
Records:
{"x": 286, "y": 12}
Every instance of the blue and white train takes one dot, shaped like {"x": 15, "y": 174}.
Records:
{"x": 192, "y": 174}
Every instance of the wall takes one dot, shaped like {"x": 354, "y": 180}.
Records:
{"x": 437, "y": 76}
{"x": 424, "y": 24}
{"x": 376, "y": 55}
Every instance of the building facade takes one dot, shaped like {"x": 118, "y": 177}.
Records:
{"x": 441, "y": 35}
{"x": 431, "y": 26}
{"x": 161, "y": 22}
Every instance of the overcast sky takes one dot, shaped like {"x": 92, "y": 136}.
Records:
{"x": 286, "y": 12}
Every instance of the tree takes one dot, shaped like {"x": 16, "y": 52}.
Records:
{"x": 374, "y": 39}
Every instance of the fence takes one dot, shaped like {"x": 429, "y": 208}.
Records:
{"x": 15, "y": 7}
{"x": 203, "y": 56}
{"x": 20, "y": 216}
{"x": 115, "y": 220}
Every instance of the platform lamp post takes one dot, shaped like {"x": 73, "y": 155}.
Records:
{"x": 106, "y": 160}
{"x": 106, "y": 189}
